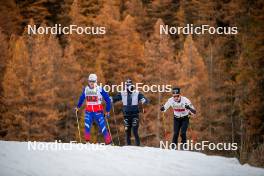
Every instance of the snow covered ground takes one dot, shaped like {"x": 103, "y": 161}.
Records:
{"x": 17, "y": 160}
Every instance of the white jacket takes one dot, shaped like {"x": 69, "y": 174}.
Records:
{"x": 179, "y": 107}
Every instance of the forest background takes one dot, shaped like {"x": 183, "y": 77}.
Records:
{"x": 42, "y": 75}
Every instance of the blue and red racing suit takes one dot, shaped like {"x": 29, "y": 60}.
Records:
{"x": 94, "y": 110}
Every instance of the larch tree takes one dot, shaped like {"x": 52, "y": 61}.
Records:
{"x": 10, "y": 18}
{"x": 29, "y": 90}
{"x": 36, "y": 10}
{"x": 44, "y": 114}
{"x": 249, "y": 91}
{"x": 193, "y": 80}
{"x": 15, "y": 91}
{"x": 4, "y": 55}
{"x": 67, "y": 91}
{"x": 160, "y": 70}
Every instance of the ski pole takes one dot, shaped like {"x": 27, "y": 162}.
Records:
{"x": 109, "y": 130}
{"x": 145, "y": 127}
{"x": 116, "y": 125}
{"x": 76, "y": 114}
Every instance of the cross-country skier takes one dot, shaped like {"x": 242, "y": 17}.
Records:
{"x": 130, "y": 99}
{"x": 182, "y": 109}
{"x": 94, "y": 110}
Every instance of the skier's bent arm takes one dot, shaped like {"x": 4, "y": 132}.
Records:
{"x": 190, "y": 107}
{"x": 166, "y": 106}
{"x": 142, "y": 99}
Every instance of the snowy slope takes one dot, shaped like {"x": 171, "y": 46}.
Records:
{"x": 17, "y": 160}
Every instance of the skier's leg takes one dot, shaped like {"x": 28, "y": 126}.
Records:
{"x": 88, "y": 120}
{"x": 128, "y": 135}
{"x": 135, "y": 126}
{"x": 185, "y": 123}
{"x": 102, "y": 126}
{"x": 128, "y": 125}
{"x": 176, "y": 127}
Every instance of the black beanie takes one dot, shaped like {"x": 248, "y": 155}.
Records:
{"x": 176, "y": 90}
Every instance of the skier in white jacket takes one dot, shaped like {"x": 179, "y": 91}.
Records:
{"x": 182, "y": 107}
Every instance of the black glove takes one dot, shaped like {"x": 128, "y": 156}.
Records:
{"x": 191, "y": 109}
{"x": 162, "y": 108}
{"x": 187, "y": 107}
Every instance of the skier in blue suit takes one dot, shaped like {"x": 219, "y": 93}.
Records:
{"x": 94, "y": 110}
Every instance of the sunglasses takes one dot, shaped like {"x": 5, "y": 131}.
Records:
{"x": 176, "y": 95}
{"x": 91, "y": 81}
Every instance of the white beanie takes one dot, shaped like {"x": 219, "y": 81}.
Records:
{"x": 92, "y": 77}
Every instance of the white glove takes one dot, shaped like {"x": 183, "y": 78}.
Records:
{"x": 111, "y": 98}
{"x": 143, "y": 100}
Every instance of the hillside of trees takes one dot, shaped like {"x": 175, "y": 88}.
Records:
{"x": 42, "y": 75}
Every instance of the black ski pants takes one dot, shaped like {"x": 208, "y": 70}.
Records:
{"x": 180, "y": 124}
{"x": 132, "y": 122}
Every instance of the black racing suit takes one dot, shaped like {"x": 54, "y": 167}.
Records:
{"x": 131, "y": 114}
